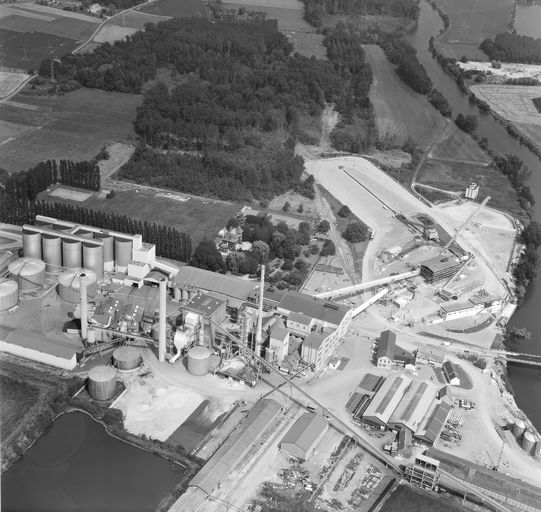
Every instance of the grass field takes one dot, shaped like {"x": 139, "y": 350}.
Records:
{"x": 400, "y": 112}
{"x": 471, "y": 22}
{"x": 135, "y": 19}
{"x": 454, "y": 144}
{"x": 456, "y": 176}
{"x": 72, "y": 126}
{"x": 201, "y": 219}
{"x": 176, "y": 8}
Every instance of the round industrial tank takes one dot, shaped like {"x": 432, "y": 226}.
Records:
{"x": 69, "y": 285}
{"x": 126, "y": 358}
{"x": 537, "y": 449}
{"x": 519, "y": 427}
{"x": 52, "y": 252}
{"x": 31, "y": 244}
{"x": 71, "y": 253}
{"x": 93, "y": 258}
{"x": 528, "y": 441}
{"x": 9, "y": 294}
{"x": 108, "y": 246}
{"x": 29, "y": 273}
{"x": 199, "y": 360}
{"x": 91, "y": 336}
{"x": 123, "y": 250}
{"x": 102, "y": 382}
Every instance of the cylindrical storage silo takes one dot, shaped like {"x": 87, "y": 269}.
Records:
{"x": 126, "y": 358}
{"x": 91, "y": 336}
{"x": 528, "y": 441}
{"x": 176, "y": 293}
{"x": 52, "y": 252}
{"x": 102, "y": 382}
{"x": 198, "y": 360}
{"x": 9, "y": 294}
{"x": 519, "y": 427}
{"x": 31, "y": 244}
{"x": 69, "y": 285}
{"x": 108, "y": 250}
{"x": 123, "y": 250}
{"x": 93, "y": 258}
{"x": 29, "y": 273}
{"x": 71, "y": 253}
{"x": 537, "y": 449}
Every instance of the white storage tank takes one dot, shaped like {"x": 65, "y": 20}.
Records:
{"x": 52, "y": 252}
{"x": 519, "y": 427}
{"x": 93, "y": 258}
{"x": 155, "y": 331}
{"x": 71, "y": 253}
{"x": 29, "y": 273}
{"x": 102, "y": 382}
{"x": 126, "y": 358}
{"x": 31, "y": 244}
{"x": 123, "y": 252}
{"x": 199, "y": 360}
{"x": 528, "y": 441}
{"x": 108, "y": 250}
{"x": 9, "y": 294}
{"x": 69, "y": 285}
{"x": 537, "y": 448}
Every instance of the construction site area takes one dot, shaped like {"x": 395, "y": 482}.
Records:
{"x": 328, "y": 395}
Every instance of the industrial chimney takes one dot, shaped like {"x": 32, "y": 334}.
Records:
{"x": 162, "y": 320}
{"x": 84, "y": 307}
{"x": 258, "y": 334}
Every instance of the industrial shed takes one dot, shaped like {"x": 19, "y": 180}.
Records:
{"x": 414, "y": 405}
{"x": 237, "y": 445}
{"x": 386, "y": 400}
{"x": 35, "y": 346}
{"x": 433, "y": 423}
{"x": 450, "y": 373}
{"x": 304, "y": 435}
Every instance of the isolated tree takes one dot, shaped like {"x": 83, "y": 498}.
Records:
{"x": 286, "y": 207}
{"x": 287, "y": 265}
{"x": 355, "y": 233}
{"x": 207, "y": 256}
{"x": 234, "y": 260}
{"x": 344, "y": 212}
{"x": 300, "y": 209}
{"x": 249, "y": 265}
{"x": 232, "y": 223}
{"x": 328, "y": 249}
{"x": 467, "y": 123}
{"x": 305, "y": 233}
{"x": 323, "y": 226}
{"x": 260, "y": 251}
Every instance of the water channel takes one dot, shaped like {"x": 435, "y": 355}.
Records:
{"x": 526, "y": 382}
{"x": 77, "y": 466}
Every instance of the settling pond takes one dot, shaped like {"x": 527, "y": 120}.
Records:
{"x": 77, "y": 466}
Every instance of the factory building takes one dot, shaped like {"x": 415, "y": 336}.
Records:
{"x": 491, "y": 303}
{"x": 300, "y": 324}
{"x": 316, "y": 349}
{"x": 438, "y": 268}
{"x": 424, "y": 472}
{"x": 61, "y": 353}
{"x": 451, "y": 375}
{"x": 303, "y": 437}
{"x": 414, "y": 405}
{"x": 433, "y": 423}
{"x": 385, "y": 401}
{"x": 389, "y": 354}
{"x": 430, "y": 355}
{"x": 456, "y": 310}
{"x": 271, "y": 297}
{"x": 278, "y": 342}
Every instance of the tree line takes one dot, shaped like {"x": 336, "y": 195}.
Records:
{"x": 509, "y": 47}
{"x": 28, "y": 184}
{"x": 315, "y": 11}
{"x": 169, "y": 242}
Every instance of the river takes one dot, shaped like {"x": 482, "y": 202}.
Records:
{"x": 526, "y": 382}
{"x": 77, "y": 466}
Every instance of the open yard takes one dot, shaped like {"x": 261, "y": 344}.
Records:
{"x": 454, "y": 144}
{"x": 471, "y": 22}
{"x": 72, "y": 126}
{"x": 200, "y": 218}
{"x": 456, "y": 176}
{"x": 400, "y": 112}
{"x": 31, "y": 32}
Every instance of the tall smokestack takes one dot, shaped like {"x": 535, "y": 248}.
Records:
{"x": 258, "y": 334}
{"x": 162, "y": 319}
{"x": 84, "y": 307}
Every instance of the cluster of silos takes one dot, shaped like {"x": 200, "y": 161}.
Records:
{"x": 9, "y": 294}
{"x": 199, "y": 359}
{"x": 28, "y": 272}
{"x": 529, "y": 442}
{"x": 69, "y": 285}
{"x": 126, "y": 358}
{"x": 102, "y": 382}
{"x": 184, "y": 294}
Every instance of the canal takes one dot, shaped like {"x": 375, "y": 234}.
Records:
{"x": 77, "y": 466}
{"x": 526, "y": 382}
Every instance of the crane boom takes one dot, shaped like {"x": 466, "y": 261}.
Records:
{"x": 465, "y": 223}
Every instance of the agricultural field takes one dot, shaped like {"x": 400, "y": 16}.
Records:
{"x": 471, "y": 23}
{"x": 201, "y": 218}
{"x": 72, "y": 126}
{"x": 454, "y": 144}
{"x": 175, "y": 8}
{"x": 456, "y": 176}
{"x": 29, "y": 33}
{"x": 400, "y": 112}
{"x": 10, "y": 81}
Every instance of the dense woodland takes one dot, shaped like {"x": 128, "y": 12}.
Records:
{"x": 316, "y": 10}
{"x": 513, "y": 48}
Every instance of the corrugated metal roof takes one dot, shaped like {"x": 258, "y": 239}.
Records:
{"x": 320, "y": 309}
{"x": 387, "y": 397}
{"x": 39, "y": 343}
{"x": 370, "y": 382}
{"x": 387, "y": 344}
{"x": 449, "y": 370}
{"x": 306, "y": 430}
{"x": 434, "y": 424}
{"x": 237, "y": 444}
{"x": 414, "y": 405}
{"x": 227, "y": 285}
